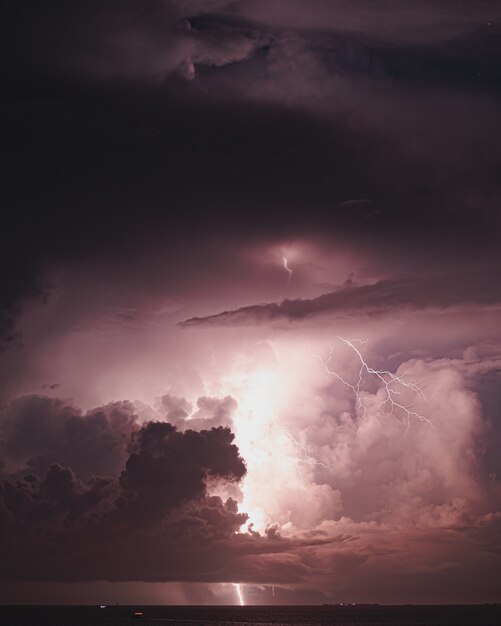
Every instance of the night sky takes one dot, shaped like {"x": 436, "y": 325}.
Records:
{"x": 250, "y": 301}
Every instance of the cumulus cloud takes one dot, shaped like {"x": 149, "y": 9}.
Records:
{"x": 381, "y": 495}
{"x": 175, "y": 409}
{"x": 413, "y": 498}
{"x": 167, "y": 468}
{"x": 154, "y": 520}
{"x": 210, "y": 412}
{"x": 37, "y": 431}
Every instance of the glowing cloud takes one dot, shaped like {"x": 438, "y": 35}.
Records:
{"x": 392, "y": 385}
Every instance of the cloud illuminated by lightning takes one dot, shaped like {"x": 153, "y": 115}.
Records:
{"x": 390, "y": 383}
{"x": 264, "y": 441}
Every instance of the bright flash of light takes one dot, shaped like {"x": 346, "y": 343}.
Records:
{"x": 391, "y": 384}
{"x": 238, "y": 589}
{"x": 267, "y": 446}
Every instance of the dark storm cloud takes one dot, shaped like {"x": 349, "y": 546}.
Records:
{"x": 111, "y": 154}
{"x": 17, "y": 285}
{"x": 459, "y": 58}
{"x": 423, "y": 21}
{"x": 161, "y": 455}
{"x": 154, "y": 519}
{"x": 37, "y": 431}
{"x": 380, "y": 298}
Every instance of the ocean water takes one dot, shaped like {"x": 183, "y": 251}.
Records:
{"x": 480, "y": 615}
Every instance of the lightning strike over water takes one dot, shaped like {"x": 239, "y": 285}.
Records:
{"x": 390, "y": 403}
{"x": 238, "y": 589}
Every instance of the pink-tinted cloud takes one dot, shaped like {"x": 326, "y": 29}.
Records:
{"x": 415, "y": 501}
{"x": 163, "y": 158}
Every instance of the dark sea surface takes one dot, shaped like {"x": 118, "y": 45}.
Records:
{"x": 258, "y": 616}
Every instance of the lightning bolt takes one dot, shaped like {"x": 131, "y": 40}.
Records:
{"x": 289, "y": 276}
{"x": 238, "y": 589}
{"x": 390, "y": 383}
{"x": 287, "y": 268}
{"x": 305, "y": 457}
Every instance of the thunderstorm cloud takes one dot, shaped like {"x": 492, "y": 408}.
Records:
{"x": 177, "y": 410}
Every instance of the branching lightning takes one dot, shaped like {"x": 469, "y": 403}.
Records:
{"x": 390, "y": 383}
{"x": 256, "y": 398}
{"x": 395, "y": 396}
{"x": 238, "y": 589}
{"x": 305, "y": 457}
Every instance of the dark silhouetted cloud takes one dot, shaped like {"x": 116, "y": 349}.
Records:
{"x": 152, "y": 518}
{"x": 381, "y": 298}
